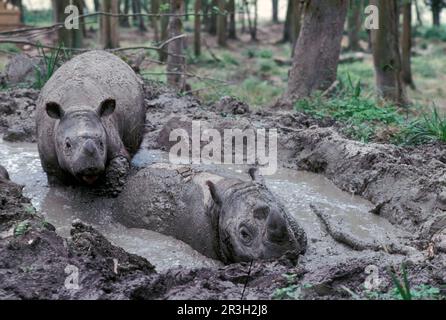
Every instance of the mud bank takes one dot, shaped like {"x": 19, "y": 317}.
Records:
{"x": 406, "y": 186}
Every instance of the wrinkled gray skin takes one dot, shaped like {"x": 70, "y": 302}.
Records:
{"x": 4, "y": 175}
{"x": 223, "y": 218}
{"x": 90, "y": 113}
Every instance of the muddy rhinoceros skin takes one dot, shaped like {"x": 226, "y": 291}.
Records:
{"x": 228, "y": 219}
{"x": 90, "y": 112}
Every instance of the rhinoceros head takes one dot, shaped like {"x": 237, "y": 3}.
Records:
{"x": 81, "y": 139}
{"x": 251, "y": 223}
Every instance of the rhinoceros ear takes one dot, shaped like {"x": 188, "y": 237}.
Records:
{"x": 256, "y": 176}
{"x": 107, "y": 107}
{"x": 54, "y": 110}
{"x": 214, "y": 192}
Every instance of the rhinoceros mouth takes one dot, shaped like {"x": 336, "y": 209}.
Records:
{"x": 89, "y": 179}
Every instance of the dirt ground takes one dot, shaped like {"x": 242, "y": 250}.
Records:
{"x": 406, "y": 185}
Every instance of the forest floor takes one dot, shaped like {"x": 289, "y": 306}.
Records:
{"x": 406, "y": 186}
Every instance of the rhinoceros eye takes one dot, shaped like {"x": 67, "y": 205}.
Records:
{"x": 245, "y": 235}
{"x": 68, "y": 145}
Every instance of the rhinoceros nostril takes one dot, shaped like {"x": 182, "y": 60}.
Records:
{"x": 90, "y": 147}
{"x": 276, "y": 228}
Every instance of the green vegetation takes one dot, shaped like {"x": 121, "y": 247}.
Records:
{"x": 363, "y": 117}
{"x": 21, "y": 228}
{"x": 38, "y": 17}
{"x": 292, "y": 291}
{"x": 431, "y": 33}
{"x": 431, "y": 126}
{"x": 50, "y": 62}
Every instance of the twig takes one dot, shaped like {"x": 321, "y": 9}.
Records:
{"x": 247, "y": 280}
{"x": 210, "y": 51}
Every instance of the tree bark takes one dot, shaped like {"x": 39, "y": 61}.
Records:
{"x": 406, "y": 44}
{"x": 197, "y": 28}
{"x": 295, "y": 23}
{"x": 222, "y": 23}
{"x": 213, "y": 19}
{"x": 354, "y": 24}
{"x": 140, "y": 19}
{"x": 275, "y": 4}
{"x": 317, "y": 49}
{"x": 175, "y": 60}
{"x": 164, "y": 33}
{"x": 72, "y": 38}
{"x": 436, "y": 6}
{"x": 124, "y": 21}
{"x": 109, "y": 25}
{"x": 386, "y": 52}
{"x": 232, "y": 30}
{"x": 155, "y": 8}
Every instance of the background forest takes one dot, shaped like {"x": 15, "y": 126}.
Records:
{"x": 315, "y": 56}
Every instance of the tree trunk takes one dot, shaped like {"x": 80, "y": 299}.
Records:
{"x": 417, "y": 9}
{"x": 164, "y": 32}
{"x": 386, "y": 52}
{"x": 252, "y": 24}
{"x": 109, "y": 25}
{"x": 97, "y": 5}
{"x": 275, "y": 11}
{"x": 317, "y": 49}
{"x": 155, "y": 8}
{"x": 197, "y": 28}
{"x": 295, "y": 24}
{"x": 286, "y": 26}
{"x": 140, "y": 19}
{"x": 406, "y": 44}
{"x": 71, "y": 38}
{"x": 124, "y": 21}
{"x": 186, "y": 10}
{"x": 175, "y": 60}
{"x": 354, "y": 24}
{"x": 232, "y": 24}
{"x": 222, "y": 23}
{"x": 213, "y": 19}
{"x": 436, "y": 6}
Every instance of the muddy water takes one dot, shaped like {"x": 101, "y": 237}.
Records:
{"x": 60, "y": 206}
{"x": 296, "y": 189}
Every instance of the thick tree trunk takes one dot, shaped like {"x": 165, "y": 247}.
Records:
{"x": 436, "y": 7}
{"x": 155, "y": 8}
{"x": 175, "y": 60}
{"x": 109, "y": 25}
{"x": 354, "y": 24}
{"x": 197, "y": 28}
{"x": 232, "y": 30}
{"x": 275, "y": 4}
{"x": 72, "y": 38}
{"x": 406, "y": 44}
{"x": 222, "y": 22}
{"x": 317, "y": 49}
{"x": 386, "y": 52}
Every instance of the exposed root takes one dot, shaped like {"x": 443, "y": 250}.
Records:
{"x": 352, "y": 242}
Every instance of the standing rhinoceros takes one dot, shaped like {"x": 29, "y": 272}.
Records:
{"x": 90, "y": 114}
